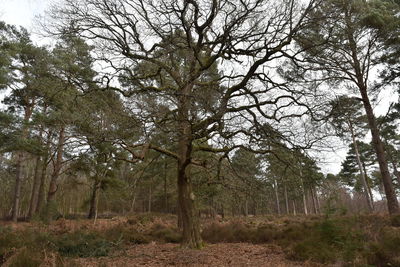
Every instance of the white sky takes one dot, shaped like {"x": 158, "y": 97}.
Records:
{"x": 22, "y": 12}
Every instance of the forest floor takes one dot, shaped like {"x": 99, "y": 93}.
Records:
{"x": 222, "y": 254}
{"x": 153, "y": 240}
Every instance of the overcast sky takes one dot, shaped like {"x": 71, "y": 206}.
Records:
{"x": 22, "y": 12}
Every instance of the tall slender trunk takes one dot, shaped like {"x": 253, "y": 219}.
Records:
{"x": 255, "y": 207}
{"x": 94, "y": 200}
{"x": 393, "y": 162}
{"x": 396, "y": 172}
{"x": 286, "y": 199}
{"x": 19, "y": 158}
{"x": 37, "y": 175}
{"x": 165, "y": 189}
{"x": 57, "y": 166}
{"x": 35, "y": 187}
{"x": 246, "y": 207}
{"x": 305, "y": 203}
{"x": 150, "y": 198}
{"x": 294, "y": 207}
{"x": 278, "y": 207}
{"x": 368, "y": 184}
{"x": 360, "y": 167}
{"x": 392, "y": 202}
{"x": 17, "y": 189}
{"x": 43, "y": 175}
{"x": 313, "y": 201}
{"x": 191, "y": 227}
{"x": 304, "y": 194}
{"x": 317, "y": 200}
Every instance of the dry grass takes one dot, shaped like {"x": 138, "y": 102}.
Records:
{"x": 344, "y": 241}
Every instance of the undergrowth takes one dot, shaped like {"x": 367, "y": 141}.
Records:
{"x": 344, "y": 240}
{"x": 341, "y": 240}
{"x": 26, "y": 247}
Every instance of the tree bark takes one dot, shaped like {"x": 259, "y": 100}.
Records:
{"x": 360, "y": 167}
{"x": 17, "y": 189}
{"x": 294, "y": 207}
{"x": 57, "y": 166}
{"x": 19, "y": 164}
{"x": 35, "y": 187}
{"x": 313, "y": 201}
{"x": 43, "y": 175}
{"x": 150, "y": 198}
{"x": 305, "y": 203}
{"x": 396, "y": 172}
{"x": 393, "y": 162}
{"x": 304, "y": 194}
{"x": 165, "y": 189}
{"x": 94, "y": 200}
{"x": 246, "y": 207}
{"x": 286, "y": 199}
{"x": 392, "y": 202}
{"x": 191, "y": 228}
{"x": 368, "y": 184}
{"x": 316, "y": 200}
{"x": 278, "y": 207}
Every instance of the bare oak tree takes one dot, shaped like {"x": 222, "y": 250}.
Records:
{"x": 200, "y": 63}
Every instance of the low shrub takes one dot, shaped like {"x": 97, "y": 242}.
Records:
{"x": 395, "y": 220}
{"x": 164, "y": 233}
{"x": 82, "y": 244}
{"x": 26, "y": 258}
{"x": 22, "y": 247}
{"x": 125, "y": 234}
{"x": 386, "y": 252}
{"x": 228, "y": 232}
{"x": 238, "y": 232}
{"x": 327, "y": 242}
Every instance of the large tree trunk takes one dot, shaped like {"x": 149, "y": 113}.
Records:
{"x": 360, "y": 167}
{"x": 191, "y": 228}
{"x": 57, "y": 166}
{"x": 186, "y": 199}
{"x": 392, "y": 203}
